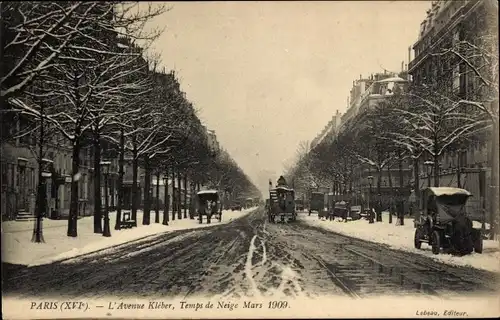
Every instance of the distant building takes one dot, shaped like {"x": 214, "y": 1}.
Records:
{"x": 354, "y": 99}
{"x": 212, "y": 141}
{"x": 330, "y": 130}
{"x": 382, "y": 87}
{"x": 366, "y": 94}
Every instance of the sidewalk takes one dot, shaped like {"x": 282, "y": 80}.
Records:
{"x": 401, "y": 238}
{"x": 17, "y": 247}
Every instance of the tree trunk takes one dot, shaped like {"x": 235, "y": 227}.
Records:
{"x": 392, "y": 194}
{"x": 112, "y": 190}
{"x": 135, "y": 191}
{"x": 192, "y": 188}
{"x": 121, "y": 173}
{"x": 174, "y": 195}
{"x": 494, "y": 185}
{"x": 436, "y": 171}
{"x": 166, "y": 201}
{"x": 146, "y": 217}
{"x": 179, "y": 193}
{"x": 73, "y": 207}
{"x": 185, "y": 196}
{"x": 40, "y": 201}
{"x": 378, "y": 209}
{"x": 97, "y": 182}
{"x": 416, "y": 173}
{"x": 401, "y": 213}
{"x": 157, "y": 211}
{"x": 459, "y": 169}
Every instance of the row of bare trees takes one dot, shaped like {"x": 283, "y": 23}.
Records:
{"x": 80, "y": 70}
{"x": 424, "y": 122}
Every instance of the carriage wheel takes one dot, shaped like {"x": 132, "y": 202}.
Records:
{"x": 436, "y": 242}
{"x": 416, "y": 240}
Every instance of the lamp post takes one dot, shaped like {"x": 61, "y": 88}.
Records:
{"x": 165, "y": 201}
{"x": 370, "y": 181}
{"x": 105, "y": 165}
{"x": 429, "y": 165}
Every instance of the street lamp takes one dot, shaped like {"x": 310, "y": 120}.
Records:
{"x": 429, "y": 165}
{"x": 370, "y": 181}
{"x": 105, "y": 165}
{"x": 165, "y": 201}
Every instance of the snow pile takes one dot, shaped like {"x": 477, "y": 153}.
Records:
{"x": 17, "y": 247}
{"x": 401, "y": 238}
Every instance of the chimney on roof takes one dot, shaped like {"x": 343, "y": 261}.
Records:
{"x": 360, "y": 77}
{"x": 402, "y": 66}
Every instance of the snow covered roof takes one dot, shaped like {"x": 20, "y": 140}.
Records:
{"x": 444, "y": 191}
{"x": 283, "y": 188}
{"x": 394, "y": 79}
{"x": 207, "y": 192}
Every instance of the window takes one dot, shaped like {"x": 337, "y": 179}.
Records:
{"x": 456, "y": 37}
{"x": 63, "y": 163}
{"x": 456, "y": 78}
{"x": 463, "y": 161}
{"x": 463, "y": 80}
{"x": 4, "y": 174}
{"x": 12, "y": 176}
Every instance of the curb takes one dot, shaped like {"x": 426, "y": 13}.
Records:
{"x": 99, "y": 250}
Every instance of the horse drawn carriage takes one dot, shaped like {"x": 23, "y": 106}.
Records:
{"x": 444, "y": 223}
{"x": 209, "y": 205}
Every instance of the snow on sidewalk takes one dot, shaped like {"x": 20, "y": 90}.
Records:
{"x": 17, "y": 247}
{"x": 401, "y": 238}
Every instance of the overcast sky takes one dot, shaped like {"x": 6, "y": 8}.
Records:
{"x": 267, "y": 75}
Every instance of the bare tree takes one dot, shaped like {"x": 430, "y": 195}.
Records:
{"x": 34, "y": 35}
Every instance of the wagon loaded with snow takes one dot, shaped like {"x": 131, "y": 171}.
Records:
{"x": 209, "y": 205}
{"x": 282, "y": 204}
{"x": 444, "y": 222}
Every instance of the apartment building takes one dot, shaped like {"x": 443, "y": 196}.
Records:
{"x": 451, "y": 24}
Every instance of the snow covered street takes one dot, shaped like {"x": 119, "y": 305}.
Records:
{"x": 17, "y": 247}
{"x": 401, "y": 238}
{"x": 249, "y": 257}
